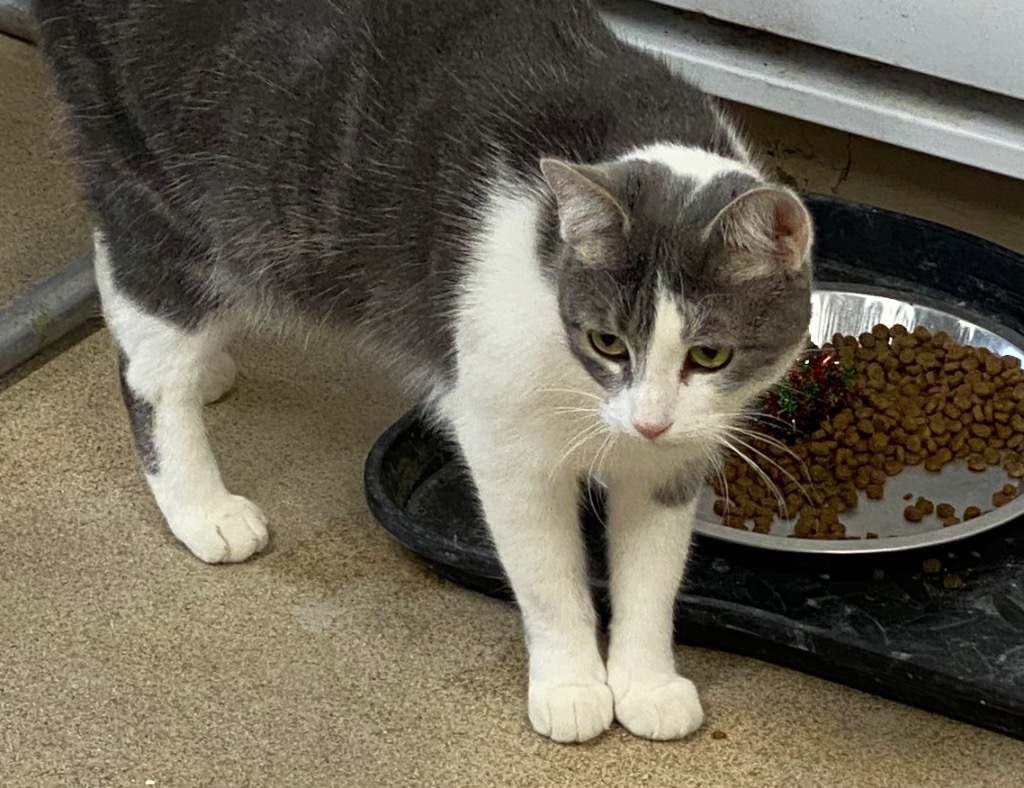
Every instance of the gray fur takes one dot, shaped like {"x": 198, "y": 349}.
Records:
{"x": 141, "y": 417}
{"x": 666, "y": 240}
{"x": 682, "y": 488}
{"x": 331, "y": 157}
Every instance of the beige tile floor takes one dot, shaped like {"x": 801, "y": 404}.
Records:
{"x": 337, "y": 659}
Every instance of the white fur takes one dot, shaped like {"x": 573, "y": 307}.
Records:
{"x": 530, "y": 419}
{"x": 647, "y": 547}
{"x": 735, "y": 140}
{"x": 692, "y": 163}
{"x": 515, "y": 372}
{"x": 176, "y": 371}
{"x": 693, "y": 406}
{"x": 527, "y": 417}
{"x": 655, "y": 398}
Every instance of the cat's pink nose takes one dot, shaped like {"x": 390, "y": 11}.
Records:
{"x": 652, "y": 431}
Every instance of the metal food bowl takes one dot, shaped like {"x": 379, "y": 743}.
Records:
{"x": 852, "y": 310}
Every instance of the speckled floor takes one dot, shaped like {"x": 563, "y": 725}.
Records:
{"x": 337, "y": 659}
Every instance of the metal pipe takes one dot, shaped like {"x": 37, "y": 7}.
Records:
{"x": 16, "y": 19}
{"x": 46, "y": 312}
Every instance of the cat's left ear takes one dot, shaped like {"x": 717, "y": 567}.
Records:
{"x": 765, "y": 232}
{"x": 591, "y": 220}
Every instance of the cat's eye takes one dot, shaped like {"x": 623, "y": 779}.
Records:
{"x": 710, "y": 357}
{"x": 609, "y": 345}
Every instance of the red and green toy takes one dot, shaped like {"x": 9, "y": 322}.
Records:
{"x": 813, "y": 389}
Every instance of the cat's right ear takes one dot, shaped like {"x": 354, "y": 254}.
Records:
{"x": 590, "y": 219}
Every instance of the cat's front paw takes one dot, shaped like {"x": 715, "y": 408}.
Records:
{"x": 659, "y": 708}
{"x": 227, "y": 531}
{"x": 571, "y": 712}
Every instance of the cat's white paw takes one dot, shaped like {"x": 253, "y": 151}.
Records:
{"x": 230, "y": 530}
{"x": 662, "y": 708}
{"x": 218, "y": 377}
{"x": 572, "y": 712}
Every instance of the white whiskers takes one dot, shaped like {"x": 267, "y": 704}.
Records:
{"x": 576, "y": 442}
{"x": 717, "y": 462}
{"x": 741, "y": 436}
{"x": 573, "y": 392}
{"x": 594, "y": 471}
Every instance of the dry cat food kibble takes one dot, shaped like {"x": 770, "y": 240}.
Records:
{"x": 1004, "y": 496}
{"x": 913, "y": 515}
{"x": 912, "y": 398}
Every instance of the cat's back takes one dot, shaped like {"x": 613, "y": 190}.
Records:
{"x": 178, "y": 75}
{"x": 174, "y": 37}
{"x": 147, "y": 53}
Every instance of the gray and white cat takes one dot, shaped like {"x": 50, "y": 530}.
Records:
{"x": 562, "y": 248}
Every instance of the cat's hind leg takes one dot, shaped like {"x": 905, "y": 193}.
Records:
{"x": 169, "y": 367}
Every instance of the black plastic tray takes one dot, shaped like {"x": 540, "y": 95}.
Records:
{"x": 959, "y": 652}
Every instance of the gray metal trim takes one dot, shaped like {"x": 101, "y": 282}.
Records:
{"x": 46, "y": 312}
{"x": 16, "y": 19}
{"x": 892, "y": 105}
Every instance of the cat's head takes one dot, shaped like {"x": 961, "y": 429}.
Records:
{"x": 683, "y": 298}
